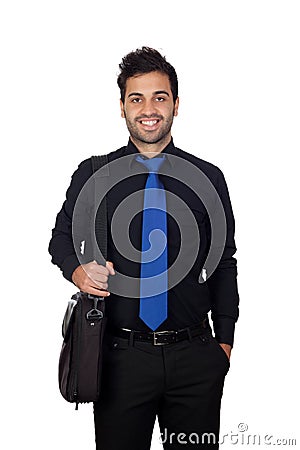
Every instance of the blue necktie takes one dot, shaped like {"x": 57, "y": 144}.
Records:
{"x": 153, "y": 307}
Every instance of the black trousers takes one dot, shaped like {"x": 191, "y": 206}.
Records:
{"x": 180, "y": 383}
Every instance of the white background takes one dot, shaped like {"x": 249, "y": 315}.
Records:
{"x": 239, "y": 72}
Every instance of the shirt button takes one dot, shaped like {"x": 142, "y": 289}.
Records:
{"x": 115, "y": 344}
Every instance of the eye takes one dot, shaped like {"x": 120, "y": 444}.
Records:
{"x": 160, "y": 99}
{"x": 136, "y": 100}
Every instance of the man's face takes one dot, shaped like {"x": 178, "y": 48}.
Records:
{"x": 149, "y": 108}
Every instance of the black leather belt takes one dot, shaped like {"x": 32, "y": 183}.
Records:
{"x": 162, "y": 337}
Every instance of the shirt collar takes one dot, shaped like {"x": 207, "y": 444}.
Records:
{"x": 131, "y": 149}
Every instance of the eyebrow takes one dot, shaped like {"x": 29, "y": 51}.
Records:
{"x": 139, "y": 94}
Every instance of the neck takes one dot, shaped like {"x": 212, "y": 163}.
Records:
{"x": 150, "y": 150}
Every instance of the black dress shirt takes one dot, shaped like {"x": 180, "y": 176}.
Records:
{"x": 188, "y": 301}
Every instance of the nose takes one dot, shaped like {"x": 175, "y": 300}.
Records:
{"x": 148, "y": 108}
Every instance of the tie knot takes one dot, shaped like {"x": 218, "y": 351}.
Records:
{"x": 152, "y": 164}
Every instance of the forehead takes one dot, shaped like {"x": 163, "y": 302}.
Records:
{"x": 148, "y": 83}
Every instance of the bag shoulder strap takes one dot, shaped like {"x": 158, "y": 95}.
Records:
{"x": 98, "y": 161}
{"x": 101, "y": 216}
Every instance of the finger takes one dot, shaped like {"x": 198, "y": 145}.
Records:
{"x": 92, "y": 269}
{"x": 96, "y": 291}
{"x": 102, "y": 286}
{"x": 99, "y": 269}
{"x": 110, "y": 267}
{"x": 94, "y": 266}
{"x": 98, "y": 278}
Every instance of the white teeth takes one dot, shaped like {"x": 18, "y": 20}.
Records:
{"x": 149, "y": 123}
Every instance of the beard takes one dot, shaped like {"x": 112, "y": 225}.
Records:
{"x": 150, "y": 137}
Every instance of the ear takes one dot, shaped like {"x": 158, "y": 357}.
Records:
{"x": 122, "y": 109}
{"x": 176, "y": 106}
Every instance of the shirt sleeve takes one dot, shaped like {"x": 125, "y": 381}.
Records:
{"x": 61, "y": 246}
{"x": 223, "y": 282}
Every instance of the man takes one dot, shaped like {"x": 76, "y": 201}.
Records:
{"x": 160, "y": 356}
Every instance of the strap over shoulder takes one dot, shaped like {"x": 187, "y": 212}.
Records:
{"x": 101, "y": 216}
{"x": 98, "y": 162}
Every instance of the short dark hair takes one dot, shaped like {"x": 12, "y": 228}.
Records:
{"x": 145, "y": 60}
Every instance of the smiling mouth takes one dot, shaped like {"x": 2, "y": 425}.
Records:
{"x": 149, "y": 123}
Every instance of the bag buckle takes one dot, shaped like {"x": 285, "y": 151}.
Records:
{"x": 94, "y": 313}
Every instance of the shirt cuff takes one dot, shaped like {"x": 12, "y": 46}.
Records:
{"x": 69, "y": 265}
{"x": 224, "y": 329}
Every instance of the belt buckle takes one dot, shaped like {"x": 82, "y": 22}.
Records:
{"x": 157, "y": 333}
